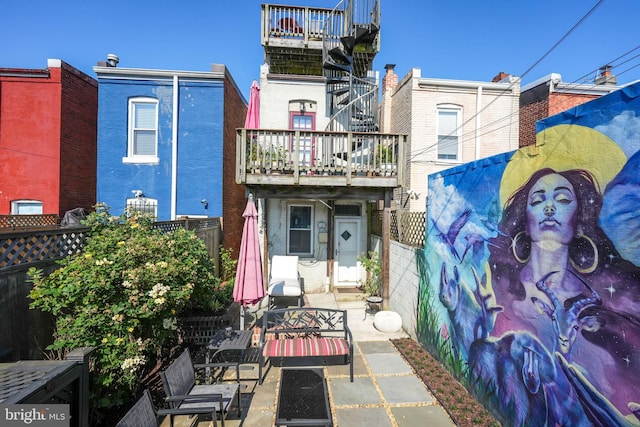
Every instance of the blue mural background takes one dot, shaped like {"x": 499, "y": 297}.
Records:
{"x": 544, "y": 328}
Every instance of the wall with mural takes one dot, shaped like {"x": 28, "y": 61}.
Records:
{"x": 530, "y": 290}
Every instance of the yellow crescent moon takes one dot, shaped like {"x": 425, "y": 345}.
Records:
{"x": 561, "y": 148}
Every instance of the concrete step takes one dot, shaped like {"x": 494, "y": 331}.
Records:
{"x": 348, "y": 294}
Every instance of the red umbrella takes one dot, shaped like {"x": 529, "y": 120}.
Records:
{"x": 253, "y": 111}
{"x": 249, "y": 287}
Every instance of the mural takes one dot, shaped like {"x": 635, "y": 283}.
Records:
{"x": 531, "y": 277}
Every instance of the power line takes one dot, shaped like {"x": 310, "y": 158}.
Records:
{"x": 474, "y": 132}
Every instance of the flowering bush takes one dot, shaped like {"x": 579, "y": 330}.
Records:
{"x": 123, "y": 294}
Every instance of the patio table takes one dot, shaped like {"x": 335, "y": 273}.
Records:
{"x": 40, "y": 381}
{"x": 229, "y": 340}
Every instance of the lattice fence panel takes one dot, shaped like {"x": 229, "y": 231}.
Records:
{"x": 412, "y": 228}
{"x": 27, "y": 221}
{"x": 22, "y": 248}
{"x": 395, "y": 235}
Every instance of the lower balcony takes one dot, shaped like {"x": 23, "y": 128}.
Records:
{"x": 267, "y": 157}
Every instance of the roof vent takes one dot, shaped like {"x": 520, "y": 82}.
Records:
{"x": 112, "y": 60}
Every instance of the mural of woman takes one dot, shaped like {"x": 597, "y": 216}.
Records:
{"x": 559, "y": 277}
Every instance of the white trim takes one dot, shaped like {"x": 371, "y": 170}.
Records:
{"x": 174, "y": 150}
{"x": 15, "y": 206}
{"x": 131, "y": 131}
{"x": 149, "y": 160}
{"x": 458, "y": 110}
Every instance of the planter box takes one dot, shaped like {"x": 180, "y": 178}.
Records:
{"x": 198, "y": 330}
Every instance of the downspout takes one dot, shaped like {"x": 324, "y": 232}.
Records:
{"x": 174, "y": 150}
{"x": 478, "y": 121}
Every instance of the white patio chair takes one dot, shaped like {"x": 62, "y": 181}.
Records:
{"x": 284, "y": 279}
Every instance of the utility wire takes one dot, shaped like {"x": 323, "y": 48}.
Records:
{"x": 584, "y": 18}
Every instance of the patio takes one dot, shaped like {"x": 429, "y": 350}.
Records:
{"x": 385, "y": 391}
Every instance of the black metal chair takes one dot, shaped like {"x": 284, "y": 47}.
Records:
{"x": 183, "y": 393}
{"x": 145, "y": 414}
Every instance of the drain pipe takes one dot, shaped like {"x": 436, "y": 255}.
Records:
{"x": 174, "y": 150}
{"x": 478, "y": 122}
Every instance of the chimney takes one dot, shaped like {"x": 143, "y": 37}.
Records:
{"x": 605, "y": 77}
{"x": 390, "y": 80}
{"x": 500, "y": 77}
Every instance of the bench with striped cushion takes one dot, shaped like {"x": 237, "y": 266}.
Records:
{"x": 305, "y": 333}
{"x": 301, "y": 347}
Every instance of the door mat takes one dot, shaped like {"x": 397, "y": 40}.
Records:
{"x": 349, "y": 290}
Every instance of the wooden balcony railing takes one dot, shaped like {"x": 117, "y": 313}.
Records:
{"x": 296, "y": 154}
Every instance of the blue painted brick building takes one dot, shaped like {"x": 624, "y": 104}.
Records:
{"x": 166, "y": 141}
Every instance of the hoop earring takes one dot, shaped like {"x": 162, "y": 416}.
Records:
{"x": 514, "y": 249}
{"x": 594, "y": 265}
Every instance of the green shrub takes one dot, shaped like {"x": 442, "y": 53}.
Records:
{"x": 122, "y": 295}
{"x": 373, "y": 266}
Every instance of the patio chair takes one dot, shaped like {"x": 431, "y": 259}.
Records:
{"x": 182, "y": 392}
{"x": 145, "y": 414}
{"x": 284, "y": 280}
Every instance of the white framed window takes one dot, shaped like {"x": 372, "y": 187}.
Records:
{"x": 449, "y": 119}
{"x": 26, "y": 207}
{"x": 300, "y": 230}
{"x": 142, "y": 146}
{"x": 306, "y": 122}
{"x": 143, "y": 204}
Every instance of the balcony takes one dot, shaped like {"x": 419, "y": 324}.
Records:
{"x": 312, "y": 162}
{"x": 293, "y": 37}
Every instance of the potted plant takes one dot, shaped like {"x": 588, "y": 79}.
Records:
{"x": 372, "y": 284}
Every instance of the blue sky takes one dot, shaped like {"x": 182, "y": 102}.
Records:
{"x": 464, "y": 39}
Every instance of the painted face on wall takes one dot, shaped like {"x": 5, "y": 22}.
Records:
{"x": 551, "y": 209}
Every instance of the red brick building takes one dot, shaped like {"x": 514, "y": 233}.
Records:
{"x": 48, "y": 130}
{"x": 549, "y": 95}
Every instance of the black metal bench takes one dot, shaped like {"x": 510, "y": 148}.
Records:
{"x": 313, "y": 334}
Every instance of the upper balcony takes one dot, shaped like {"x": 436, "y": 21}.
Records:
{"x": 293, "y": 37}
{"x": 318, "y": 161}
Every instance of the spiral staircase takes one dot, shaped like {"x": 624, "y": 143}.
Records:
{"x": 350, "y": 43}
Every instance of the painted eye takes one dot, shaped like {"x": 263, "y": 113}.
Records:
{"x": 535, "y": 201}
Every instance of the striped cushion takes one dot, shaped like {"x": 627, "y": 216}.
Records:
{"x": 299, "y": 347}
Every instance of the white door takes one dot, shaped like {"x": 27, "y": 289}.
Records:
{"x": 347, "y": 242}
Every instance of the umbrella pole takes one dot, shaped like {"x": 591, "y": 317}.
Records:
{"x": 242, "y": 317}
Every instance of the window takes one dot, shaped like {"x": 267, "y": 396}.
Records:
{"x": 26, "y": 207}
{"x": 448, "y": 132}
{"x": 304, "y": 120}
{"x": 347, "y": 210}
{"x": 143, "y": 204}
{"x": 300, "y": 232}
{"x": 143, "y": 131}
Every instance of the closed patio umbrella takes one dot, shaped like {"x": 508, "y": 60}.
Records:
{"x": 249, "y": 284}
{"x": 252, "y": 121}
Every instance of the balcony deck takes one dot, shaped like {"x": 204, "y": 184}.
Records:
{"x": 314, "y": 162}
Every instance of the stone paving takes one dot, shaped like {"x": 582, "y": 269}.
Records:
{"x": 385, "y": 391}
